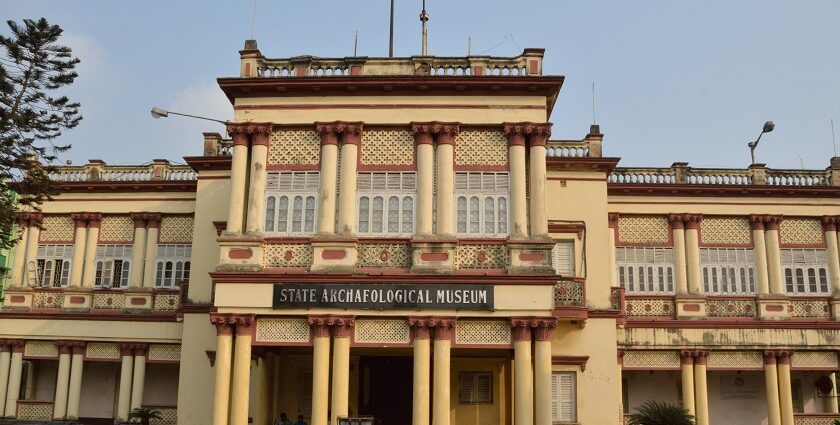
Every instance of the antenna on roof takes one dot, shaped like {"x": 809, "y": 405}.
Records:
{"x": 832, "y": 137}
{"x": 469, "y": 45}
{"x": 356, "y": 43}
{"x": 424, "y": 17}
{"x": 594, "y": 120}
{"x": 391, "y": 36}
{"x": 253, "y": 19}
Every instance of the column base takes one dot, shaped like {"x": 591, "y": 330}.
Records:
{"x": 240, "y": 253}
{"x": 17, "y": 298}
{"x": 433, "y": 255}
{"x": 530, "y": 255}
{"x": 772, "y": 308}
{"x": 334, "y": 254}
{"x": 690, "y": 306}
{"x": 78, "y": 299}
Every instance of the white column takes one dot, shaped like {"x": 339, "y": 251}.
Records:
{"x": 771, "y": 383}
{"x": 62, "y": 381}
{"x": 342, "y": 329}
{"x": 445, "y": 197}
{"x": 785, "y": 389}
{"x": 516, "y": 163}
{"x": 149, "y": 268}
{"x": 79, "y": 240}
{"x": 537, "y": 178}
{"x": 15, "y": 370}
{"x": 91, "y": 242}
{"x": 5, "y": 363}
{"x": 222, "y": 365}
{"x": 424, "y": 143}
{"x": 774, "y": 260}
{"x": 138, "y": 250}
{"x": 701, "y": 388}
{"x": 692, "y": 254}
{"x": 138, "y": 380}
{"x": 259, "y": 175}
{"x": 351, "y": 140}
{"x": 238, "y": 179}
{"x": 75, "y": 386}
{"x": 328, "y": 177}
{"x": 523, "y": 375}
{"x": 126, "y": 372}
{"x": 19, "y": 262}
{"x": 687, "y": 374}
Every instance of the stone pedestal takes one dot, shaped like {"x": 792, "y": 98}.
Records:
{"x": 17, "y": 298}
{"x": 138, "y": 299}
{"x": 433, "y": 255}
{"x": 773, "y": 308}
{"x": 530, "y": 256}
{"x": 690, "y": 307}
{"x": 334, "y": 255}
{"x": 238, "y": 253}
{"x": 78, "y": 299}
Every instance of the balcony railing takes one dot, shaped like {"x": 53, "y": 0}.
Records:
{"x": 98, "y": 301}
{"x": 758, "y": 174}
{"x": 570, "y": 293}
{"x": 722, "y": 306}
{"x": 98, "y": 171}
{"x": 168, "y": 414}
{"x": 815, "y": 418}
{"x": 34, "y": 410}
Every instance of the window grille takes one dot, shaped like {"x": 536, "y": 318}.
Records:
{"x": 54, "y": 263}
{"x": 475, "y": 388}
{"x": 645, "y": 270}
{"x": 290, "y": 204}
{"x": 728, "y": 271}
{"x": 481, "y": 203}
{"x": 563, "y": 258}
{"x": 113, "y": 266}
{"x": 173, "y": 265}
{"x": 563, "y": 397}
{"x": 385, "y": 203}
{"x": 806, "y": 271}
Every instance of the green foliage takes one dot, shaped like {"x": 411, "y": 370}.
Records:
{"x": 836, "y": 422}
{"x": 143, "y": 415}
{"x": 32, "y": 115}
{"x": 658, "y": 413}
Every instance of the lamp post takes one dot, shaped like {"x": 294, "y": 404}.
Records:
{"x": 768, "y": 127}
{"x": 163, "y": 113}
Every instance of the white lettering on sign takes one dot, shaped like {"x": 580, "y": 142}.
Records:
{"x": 383, "y": 296}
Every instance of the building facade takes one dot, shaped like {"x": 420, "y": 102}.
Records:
{"x": 400, "y": 238}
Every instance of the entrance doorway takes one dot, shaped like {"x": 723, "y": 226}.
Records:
{"x": 385, "y": 390}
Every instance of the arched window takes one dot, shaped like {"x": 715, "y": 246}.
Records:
{"x": 489, "y": 215}
{"x": 461, "y": 214}
{"x": 503, "y": 219}
{"x": 309, "y": 217}
{"x": 297, "y": 214}
{"x": 269, "y": 213}
{"x": 159, "y": 274}
{"x": 376, "y": 216}
{"x": 393, "y": 214}
{"x": 364, "y": 214}
{"x": 125, "y": 273}
{"x": 408, "y": 215}
{"x": 474, "y": 218}
{"x": 283, "y": 214}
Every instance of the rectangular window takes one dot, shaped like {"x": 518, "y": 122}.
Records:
{"x": 481, "y": 203}
{"x": 796, "y": 395}
{"x": 563, "y": 397}
{"x": 290, "y": 203}
{"x": 113, "y": 266}
{"x": 728, "y": 271}
{"x": 806, "y": 271}
{"x": 563, "y": 258}
{"x": 53, "y": 265}
{"x": 475, "y": 388}
{"x": 173, "y": 265}
{"x": 385, "y": 203}
{"x": 645, "y": 270}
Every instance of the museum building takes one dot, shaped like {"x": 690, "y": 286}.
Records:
{"x": 401, "y": 239}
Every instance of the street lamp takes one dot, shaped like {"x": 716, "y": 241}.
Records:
{"x": 163, "y": 113}
{"x": 768, "y": 127}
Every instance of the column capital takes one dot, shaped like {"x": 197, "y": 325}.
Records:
{"x": 126, "y": 349}
{"x": 446, "y": 132}
{"x": 769, "y": 357}
{"x": 686, "y": 357}
{"x": 342, "y": 326}
{"x": 77, "y": 347}
{"x": 64, "y": 347}
{"x": 521, "y": 328}
{"x": 259, "y": 131}
{"x": 677, "y": 221}
{"x": 140, "y": 349}
{"x": 30, "y": 218}
{"x": 700, "y": 357}
{"x": 692, "y": 221}
{"x": 829, "y": 223}
{"x": 783, "y": 357}
{"x": 443, "y": 327}
{"x": 222, "y": 323}
{"x": 419, "y": 327}
{"x": 756, "y": 222}
{"x": 612, "y": 219}
{"x": 543, "y": 328}
{"x": 772, "y": 222}
{"x": 515, "y": 133}
{"x": 139, "y": 220}
{"x": 538, "y": 133}
{"x": 16, "y": 345}
{"x": 327, "y": 132}
{"x": 351, "y": 132}
{"x": 319, "y": 325}
{"x": 243, "y": 323}
{"x": 422, "y": 132}
{"x": 79, "y": 220}
{"x": 153, "y": 220}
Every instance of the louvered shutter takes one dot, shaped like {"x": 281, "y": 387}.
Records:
{"x": 563, "y": 258}
{"x": 555, "y": 397}
{"x": 566, "y": 397}
{"x": 305, "y": 394}
{"x": 796, "y": 393}
{"x": 484, "y": 388}
{"x": 467, "y": 388}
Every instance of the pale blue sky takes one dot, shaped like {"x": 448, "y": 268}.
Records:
{"x": 675, "y": 80}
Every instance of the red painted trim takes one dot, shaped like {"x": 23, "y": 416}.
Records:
{"x": 333, "y": 254}
{"x": 292, "y": 275}
{"x": 579, "y": 361}
{"x": 309, "y": 106}
{"x": 635, "y": 189}
{"x": 128, "y": 186}
{"x": 201, "y": 163}
{"x": 240, "y": 254}
{"x": 434, "y": 256}
{"x": 493, "y": 168}
{"x": 54, "y": 314}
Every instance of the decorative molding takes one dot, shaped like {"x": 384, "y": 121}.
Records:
{"x": 579, "y": 361}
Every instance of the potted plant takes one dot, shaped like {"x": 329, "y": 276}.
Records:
{"x": 659, "y": 413}
{"x": 143, "y": 415}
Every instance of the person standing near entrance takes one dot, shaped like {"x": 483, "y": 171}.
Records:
{"x": 283, "y": 420}
{"x": 300, "y": 420}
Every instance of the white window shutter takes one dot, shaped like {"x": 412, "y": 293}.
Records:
{"x": 563, "y": 258}
{"x": 555, "y": 397}
{"x": 567, "y": 397}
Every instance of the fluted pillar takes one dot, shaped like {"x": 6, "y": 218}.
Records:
{"x": 687, "y": 374}
{"x": 516, "y": 164}
{"x": 222, "y": 366}
{"x": 320, "y": 369}
{"x": 241, "y": 383}
{"x": 785, "y": 389}
{"x": 613, "y": 224}
{"x": 19, "y": 261}
{"x": 537, "y": 139}
{"x": 692, "y": 253}
{"x": 762, "y": 280}
{"x": 91, "y": 241}
{"x": 701, "y": 389}
{"x": 829, "y": 225}
{"x": 680, "y": 265}
{"x": 138, "y": 379}
{"x": 79, "y": 241}
{"x": 774, "y": 259}
{"x": 424, "y": 145}
{"x": 351, "y": 140}
{"x": 259, "y": 175}
{"x": 33, "y": 236}
{"x": 126, "y": 374}
{"x": 441, "y": 379}
{"x": 62, "y": 381}
{"x": 420, "y": 381}
{"x": 75, "y": 387}
{"x": 138, "y": 250}
{"x": 238, "y": 178}
{"x": 328, "y": 181}
{"x": 771, "y": 385}
{"x": 542, "y": 370}
{"x": 15, "y": 372}
{"x": 152, "y": 232}
{"x": 523, "y": 376}
{"x": 445, "y": 133}
{"x": 5, "y": 363}
{"x": 342, "y": 330}
{"x": 265, "y": 393}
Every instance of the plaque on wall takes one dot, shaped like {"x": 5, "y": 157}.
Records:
{"x": 383, "y": 296}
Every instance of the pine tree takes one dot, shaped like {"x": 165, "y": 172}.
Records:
{"x": 32, "y": 115}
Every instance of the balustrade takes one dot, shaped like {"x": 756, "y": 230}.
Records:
{"x": 680, "y": 173}
{"x": 98, "y": 171}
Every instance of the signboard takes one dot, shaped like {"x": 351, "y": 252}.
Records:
{"x": 383, "y": 296}
{"x": 745, "y": 386}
